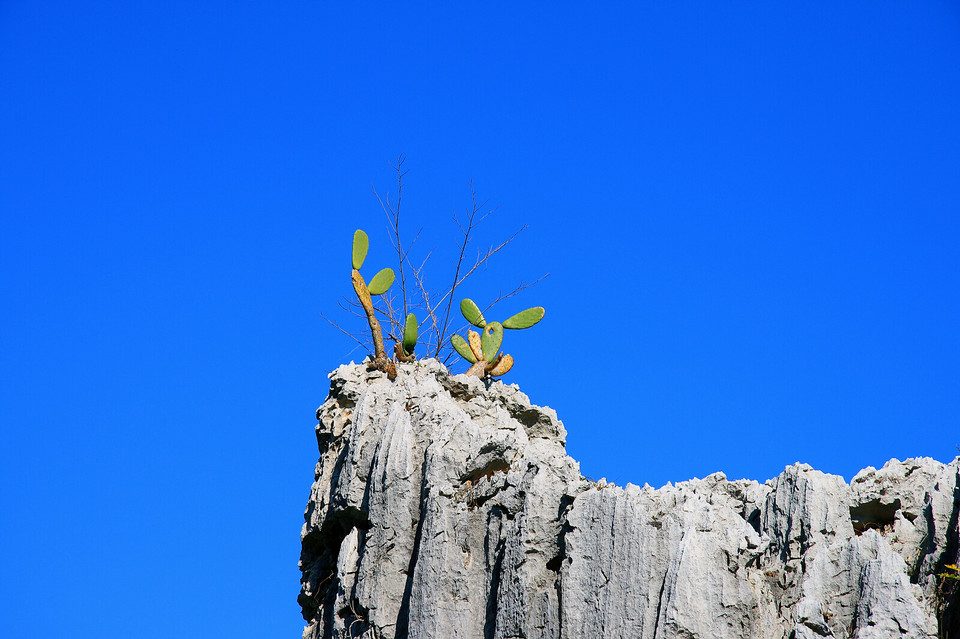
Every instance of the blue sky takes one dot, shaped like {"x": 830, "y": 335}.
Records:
{"x": 750, "y": 214}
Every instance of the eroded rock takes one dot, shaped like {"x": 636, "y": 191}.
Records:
{"x": 444, "y": 506}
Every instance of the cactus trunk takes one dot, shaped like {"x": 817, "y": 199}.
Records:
{"x": 367, "y": 303}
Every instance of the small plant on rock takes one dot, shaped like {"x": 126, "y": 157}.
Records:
{"x": 952, "y": 572}
{"x": 387, "y": 310}
{"x": 403, "y": 349}
{"x": 379, "y": 285}
{"x": 365, "y": 292}
{"x": 947, "y": 600}
{"x": 483, "y": 350}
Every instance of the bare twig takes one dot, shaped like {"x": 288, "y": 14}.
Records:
{"x": 493, "y": 250}
{"x": 351, "y": 307}
{"x": 393, "y": 216}
{"x": 395, "y": 326}
{"x": 520, "y": 287}
{"x": 425, "y": 295}
{"x": 471, "y": 223}
{"x": 448, "y": 296}
{"x": 347, "y": 333}
{"x": 456, "y": 272}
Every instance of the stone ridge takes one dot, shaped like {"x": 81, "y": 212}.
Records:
{"x": 446, "y": 507}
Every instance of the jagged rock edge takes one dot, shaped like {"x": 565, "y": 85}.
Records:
{"x": 796, "y": 534}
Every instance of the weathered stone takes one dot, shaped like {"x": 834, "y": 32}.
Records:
{"x": 445, "y": 507}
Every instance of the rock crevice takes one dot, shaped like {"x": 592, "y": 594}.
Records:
{"x": 444, "y": 506}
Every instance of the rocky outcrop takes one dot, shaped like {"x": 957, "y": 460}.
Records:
{"x": 444, "y": 507}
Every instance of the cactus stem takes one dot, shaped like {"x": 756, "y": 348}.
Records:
{"x": 380, "y": 359}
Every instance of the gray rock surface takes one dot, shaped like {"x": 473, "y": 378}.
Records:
{"x": 443, "y": 507}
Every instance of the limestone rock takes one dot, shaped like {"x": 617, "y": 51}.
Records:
{"x": 446, "y": 507}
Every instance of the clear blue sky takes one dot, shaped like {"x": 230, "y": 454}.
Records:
{"x": 750, "y": 213}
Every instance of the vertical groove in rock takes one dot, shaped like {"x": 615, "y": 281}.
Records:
{"x": 403, "y": 617}
{"x": 490, "y": 624}
{"x": 446, "y": 507}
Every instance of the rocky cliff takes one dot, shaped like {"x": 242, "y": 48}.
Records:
{"x": 443, "y": 507}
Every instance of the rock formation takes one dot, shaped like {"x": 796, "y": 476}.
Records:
{"x": 444, "y": 507}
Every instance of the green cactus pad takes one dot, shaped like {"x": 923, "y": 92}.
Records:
{"x": 360, "y": 245}
{"x": 525, "y": 319}
{"x": 410, "y": 334}
{"x": 491, "y": 339}
{"x": 460, "y": 345}
{"x": 381, "y": 282}
{"x": 472, "y": 312}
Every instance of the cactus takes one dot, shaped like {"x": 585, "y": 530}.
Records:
{"x": 404, "y": 348}
{"x": 525, "y": 319}
{"x": 484, "y": 352}
{"x": 503, "y": 367}
{"x": 378, "y": 286}
{"x": 381, "y": 282}
{"x": 472, "y": 312}
{"x": 491, "y": 340}
{"x": 360, "y": 245}
{"x": 476, "y": 347}
{"x": 410, "y": 334}
{"x": 460, "y": 345}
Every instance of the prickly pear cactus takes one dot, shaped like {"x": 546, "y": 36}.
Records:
{"x": 381, "y": 282}
{"x": 404, "y": 348}
{"x": 378, "y": 286}
{"x": 503, "y": 366}
{"x": 360, "y": 245}
{"x": 525, "y": 319}
{"x": 410, "y": 334}
{"x": 473, "y": 338}
{"x": 472, "y": 312}
{"x": 483, "y": 351}
{"x": 491, "y": 340}
{"x": 460, "y": 345}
